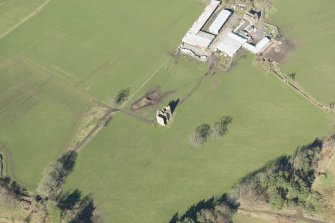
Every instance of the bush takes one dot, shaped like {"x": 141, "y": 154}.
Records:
{"x": 121, "y": 97}
{"x": 12, "y": 187}
{"x": 201, "y": 134}
{"x": 292, "y": 75}
{"x": 220, "y": 127}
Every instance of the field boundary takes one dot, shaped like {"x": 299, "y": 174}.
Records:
{"x": 24, "y": 20}
{"x": 58, "y": 69}
{"x": 36, "y": 42}
{"x": 35, "y": 65}
{"x": 296, "y": 87}
{"x": 63, "y": 36}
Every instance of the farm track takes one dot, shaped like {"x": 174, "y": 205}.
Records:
{"x": 138, "y": 117}
{"x": 197, "y": 85}
{"x": 278, "y": 217}
{"x": 99, "y": 126}
{"x": 283, "y": 77}
{"x": 20, "y": 102}
{"x": 24, "y": 19}
{"x": 66, "y": 83}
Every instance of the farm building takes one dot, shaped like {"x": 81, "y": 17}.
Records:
{"x": 163, "y": 116}
{"x": 204, "y": 17}
{"x": 196, "y": 37}
{"x": 219, "y": 21}
{"x": 251, "y": 17}
{"x": 201, "y": 40}
{"x": 223, "y": 36}
{"x": 259, "y": 47}
{"x": 231, "y": 43}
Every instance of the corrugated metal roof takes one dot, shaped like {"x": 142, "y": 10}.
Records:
{"x": 259, "y": 47}
{"x": 206, "y": 14}
{"x": 219, "y": 21}
{"x": 200, "y": 41}
{"x": 231, "y": 43}
{"x": 205, "y": 35}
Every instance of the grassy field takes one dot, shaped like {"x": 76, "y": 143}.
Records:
{"x": 100, "y": 45}
{"x": 139, "y": 172}
{"x": 53, "y": 58}
{"x": 38, "y": 115}
{"x": 142, "y": 173}
{"x": 14, "y": 11}
{"x": 309, "y": 25}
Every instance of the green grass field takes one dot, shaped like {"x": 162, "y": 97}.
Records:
{"x": 309, "y": 25}
{"x": 14, "y": 11}
{"x": 139, "y": 172}
{"x": 92, "y": 53}
{"x": 38, "y": 115}
{"x": 142, "y": 173}
{"x": 100, "y": 45}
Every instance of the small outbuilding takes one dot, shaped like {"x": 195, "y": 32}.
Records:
{"x": 259, "y": 47}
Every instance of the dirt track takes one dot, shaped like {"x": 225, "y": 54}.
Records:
{"x": 100, "y": 125}
{"x": 275, "y": 217}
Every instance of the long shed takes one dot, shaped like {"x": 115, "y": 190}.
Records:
{"x": 202, "y": 40}
{"x": 203, "y": 18}
{"x": 219, "y": 21}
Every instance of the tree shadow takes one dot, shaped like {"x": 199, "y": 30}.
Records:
{"x": 175, "y": 218}
{"x": 69, "y": 200}
{"x": 173, "y": 104}
{"x": 76, "y": 207}
{"x": 68, "y": 160}
{"x": 86, "y": 213}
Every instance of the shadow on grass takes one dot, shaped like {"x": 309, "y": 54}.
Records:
{"x": 173, "y": 104}
{"x": 81, "y": 209}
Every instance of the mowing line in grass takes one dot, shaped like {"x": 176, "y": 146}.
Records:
{"x": 149, "y": 79}
{"x": 24, "y": 20}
